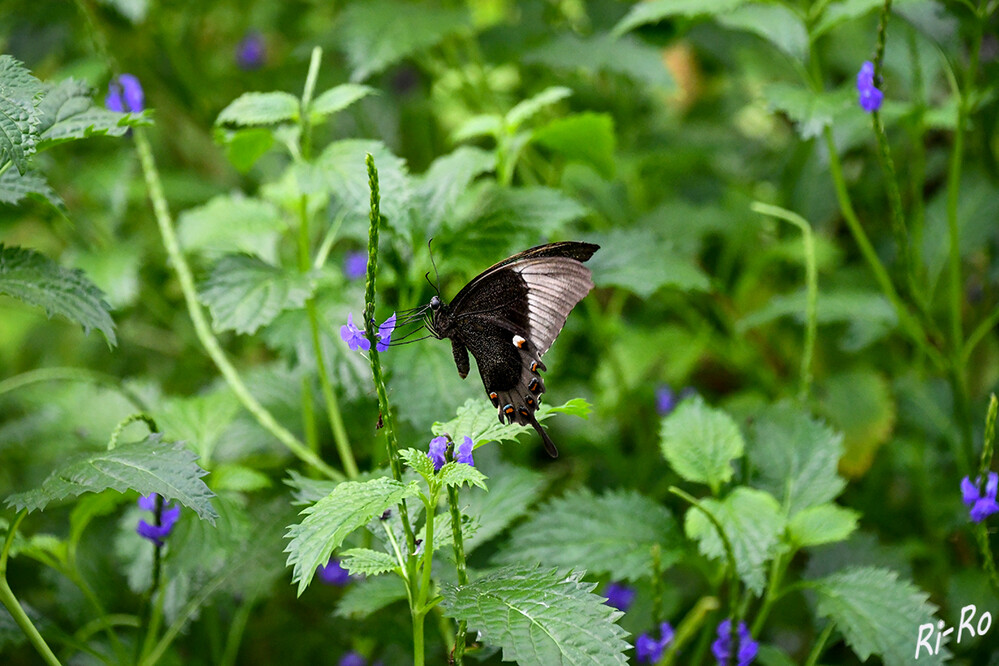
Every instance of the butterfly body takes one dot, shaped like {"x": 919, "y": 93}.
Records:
{"x": 508, "y": 317}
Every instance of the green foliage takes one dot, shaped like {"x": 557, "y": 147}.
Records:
{"x": 19, "y": 114}
{"x": 232, "y": 224}
{"x": 583, "y": 137}
{"x": 595, "y": 54}
{"x": 260, "y": 108}
{"x": 147, "y": 466}
{"x": 535, "y": 615}
{"x": 337, "y": 99}
{"x": 477, "y": 419}
{"x": 366, "y": 562}
{"x": 613, "y": 533}
{"x": 67, "y": 113}
{"x": 369, "y": 596}
{"x": 700, "y": 442}
{"x": 812, "y": 113}
{"x": 512, "y": 490}
{"x": 660, "y": 10}
{"x": 37, "y": 280}
{"x": 637, "y": 260}
{"x": 823, "y": 523}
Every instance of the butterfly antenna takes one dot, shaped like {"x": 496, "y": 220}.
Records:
{"x": 437, "y": 276}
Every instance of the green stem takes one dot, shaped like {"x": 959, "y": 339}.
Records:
{"x": 201, "y": 326}
{"x": 689, "y": 627}
{"x": 235, "y": 635}
{"x": 459, "y": 558}
{"x": 820, "y": 645}
{"x": 418, "y": 617}
{"x": 116, "y": 433}
{"x": 771, "y": 595}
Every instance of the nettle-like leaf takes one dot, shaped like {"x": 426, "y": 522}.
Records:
{"x": 877, "y": 613}
{"x": 419, "y": 462}
{"x": 19, "y": 115}
{"x": 199, "y": 420}
{"x": 15, "y": 187}
{"x": 795, "y": 457}
{"x": 369, "y": 596}
{"x": 477, "y": 419}
{"x": 613, "y": 533}
{"x": 655, "y": 11}
{"x": 512, "y": 490}
{"x": 443, "y": 534}
{"x": 381, "y": 33}
{"x": 330, "y": 520}
{"x": 825, "y": 523}
{"x": 532, "y": 106}
{"x": 811, "y": 112}
{"x": 753, "y": 523}
{"x": 148, "y": 466}
{"x": 625, "y": 55}
{"x": 700, "y": 442}
{"x": 342, "y": 166}
{"x": 777, "y": 24}
{"x": 437, "y": 191}
{"x": 244, "y": 293}
{"x": 68, "y": 112}
{"x": 37, "y": 280}
{"x": 582, "y": 137}
{"x": 640, "y": 261}
{"x": 539, "y": 617}
{"x": 230, "y": 224}
{"x": 337, "y": 99}
{"x": 260, "y": 108}
{"x": 366, "y": 562}
{"x": 456, "y": 474}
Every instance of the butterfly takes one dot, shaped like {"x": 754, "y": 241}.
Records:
{"x": 508, "y": 317}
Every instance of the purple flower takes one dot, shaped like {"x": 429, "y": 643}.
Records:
{"x": 982, "y": 506}
{"x": 438, "y": 447}
{"x": 125, "y": 94}
{"x": 333, "y": 573}
{"x": 167, "y": 519}
{"x": 665, "y": 399}
{"x": 251, "y": 51}
{"x": 385, "y": 333}
{"x": 870, "y": 96}
{"x": 619, "y": 595}
{"x": 351, "y": 659}
{"x": 353, "y": 336}
{"x": 355, "y": 265}
{"x": 465, "y": 452}
{"x": 722, "y": 648}
{"x": 648, "y": 650}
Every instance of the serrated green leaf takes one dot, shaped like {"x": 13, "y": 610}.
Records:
{"x": 860, "y": 404}
{"x": 810, "y": 111}
{"x": 777, "y": 24}
{"x": 260, "y": 108}
{"x": 877, "y": 613}
{"x": 825, "y": 523}
{"x": 604, "y": 53}
{"x": 419, "y": 462}
{"x": 477, "y": 419}
{"x": 700, "y": 442}
{"x": 477, "y": 126}
{"x": 444, "y": 536}
{"x": 68, "y": 112}
{"x": 380, "y": 33}
{"x": 457, "y": 474}
{"x": 239, "y": 478}
{"x": 244, "y": 147}
{"x": 512, "y": 490}
{"x": 530, "y": 107}
{"x": 640, "y": 261}
{"x": 37, "y": 280}
{"x": 539, "y": 617}
{"x": 231, "y": 224}
{"x": 369, "y": 596}
{"x": 611, "y": 534}
{"x": 244, "y": 293}
{"x": 330, "y": 520}
{"x": 582, "y": 137}
{"x": 655, "y": 11}
{"x": 752, "y": 522}
{"x": 795, "y": 457}
{"x": 342, "y": 167}
{"x": 337, "y": 99}
{"x": 437, "y": 191}
{"x": 19, "y": 116}
{"x": 15, "y": 186}
{"x": 306, "y": 490}
{"x": 366, "y": 562}
{"x": 148, "y": 466}
{"x": 198, "y": 421}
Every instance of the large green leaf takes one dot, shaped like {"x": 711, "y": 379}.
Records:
{"x": 342, "y": 167}
{"x": 795, "y": 457}
{"x": 512, "y": 490}
{"x": 860, "y": 404}
{"x": 19, "y": 115}
{"x": 337, "y": 99}
{"x": 642, "y": 262}
{"x": 877, "y": 613}
{"x": 437, "y": 191}
{"x": 532, "y": 106}
{"x": 230, "y": 224}
{"x": 68, "y": 112}
{"x": 825, "y": 523}
{"x": 811, "y": 112}
{"x": 777, "y": 24}
{"x": 700, "y": 442}
{"x": 367, "y": 562}
{"x": 37, "y": 280}
{"x": 198, "y": 420}
{"x": 148, "y": 466}
{"x": 654, "y": 11}
{"x": 328, "y": 522}
{"x": 582, "y": 137}
{"x": 15, "y": 186}
{"x": 539, "y": 617}
{"x": 477, "y": 419}
{"x": 369, "y": 596}
{"x": 626, "y": 55}
{"x": 614, "y": 533}
{"x": 260, "y": 108}
{"x": 244, "y": 293}
{"x": 753, "y": 523}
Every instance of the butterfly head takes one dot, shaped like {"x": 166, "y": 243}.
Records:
{"x": 435, "y": 303}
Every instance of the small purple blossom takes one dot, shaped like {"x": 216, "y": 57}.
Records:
{"x": 619, "y": 595}
{"x": 438, "y": 447}
{"x": 333, "y": 574}
{"x": 385, "y": 333}
{"x": 168, "y": 518}
{"x": 125, "y": 94}
{"x": 870, "y": 96}
{"x": 722, "y": 648}
{"x": 464, "y": 454}
{"x": 353, "y": 336}
{"x": 355, "y": 265}
{"x": 665, "y": 399}
{"x": 351, "y": 659}
{"x": 982, "y": 506}
{"x": 251, "y": 51}
{"x": 649, "y": 650}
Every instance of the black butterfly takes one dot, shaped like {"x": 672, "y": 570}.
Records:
{"x": 508, "y": 317}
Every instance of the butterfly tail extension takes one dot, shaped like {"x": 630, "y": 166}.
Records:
{"x": 549, "y": 444}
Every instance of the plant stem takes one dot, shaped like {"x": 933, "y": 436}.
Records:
{"x": 201, "y": 326}
{"x": 689, "y": 627}
{"x": 459, "y": 559}
{"x": 820, "y": 644}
